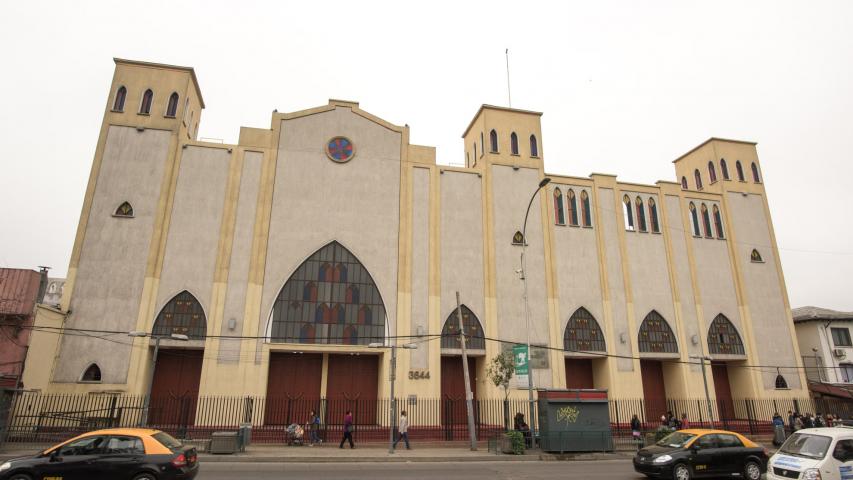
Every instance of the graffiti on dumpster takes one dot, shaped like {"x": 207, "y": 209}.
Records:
{"x": 568, "y": 414}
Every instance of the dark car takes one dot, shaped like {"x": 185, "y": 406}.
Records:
{"x": 115, "y": 454}
{"x": 698, "y": 453}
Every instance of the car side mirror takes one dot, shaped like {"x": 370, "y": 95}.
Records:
{"x": 54, "y": 456}
{"x": 694, "y": 448}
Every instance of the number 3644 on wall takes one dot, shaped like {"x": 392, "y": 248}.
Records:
{"x": 418, "y": 374}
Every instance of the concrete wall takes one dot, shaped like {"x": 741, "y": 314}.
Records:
{"x": 420, "y": 258}
{"x": 610, "y": 224}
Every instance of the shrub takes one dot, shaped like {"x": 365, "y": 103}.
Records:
{"x": 516, "y": 441}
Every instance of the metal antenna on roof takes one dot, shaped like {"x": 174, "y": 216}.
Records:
{"x": 508, "y": 94}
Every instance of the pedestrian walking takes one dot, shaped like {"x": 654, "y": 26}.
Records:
{"x": 818, "y": 420}
{"x": 347, "y": 430}
{"x": 684, "y": 423}
{"x": 313, "y": 428}
{"x": 404, "y": 430}
{"x": 798, "y": 422}
{"x": 778, "y": 430}
{"x": 636, "y": 431}
{"x": 808, "y": 421}
{"x": 791, "y": 418}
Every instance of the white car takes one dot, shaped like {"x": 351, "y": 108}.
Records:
{"x": 814, "y": 454}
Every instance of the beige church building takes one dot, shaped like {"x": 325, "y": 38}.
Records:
{"x": 282, "y": 257}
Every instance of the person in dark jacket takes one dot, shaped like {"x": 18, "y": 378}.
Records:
{"x": 521, "y": 426}
{"x": 347, "y": 430}
{"x": 636, "y": 431}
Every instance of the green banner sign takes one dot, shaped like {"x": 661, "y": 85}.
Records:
{"x": 519, "y": 354}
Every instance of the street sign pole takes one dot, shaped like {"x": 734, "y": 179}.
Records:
{"x": 469, "y": 400}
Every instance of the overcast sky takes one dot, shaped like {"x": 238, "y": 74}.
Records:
{"x": 625, "y": 87}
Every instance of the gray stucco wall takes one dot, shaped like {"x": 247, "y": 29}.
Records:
{"x": 115, "y": 249}
{"x": 194, "y": 229}
{"x": 317, "y": 201}
{"x": 241, "y": 252}
{"x": 420, "y": 265}
{"x": 511, "y": 193}
{"x": 611, "y": 222}
{"x": 762, "y": 285}
{"x": 683, "y": 280}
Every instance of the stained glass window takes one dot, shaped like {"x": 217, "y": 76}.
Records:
{"x": 493, "y": 141}
{"x": 518, "y": 238}
{"x": 183, "y": 315}
{"x": 573, "y": 207}
{"x": 124, "y": 210}
{"x": 724, "y": 168}
{"x": 534, "y": 147}
{"x": 329, "y": 299}
{"x": 147, "y": 99}
{"x": 694, "y": 217}
{"x": 698, "y": 177}
{"x": 340, "y": 149}
{"x": 718, "y": 222}
{"x": 756, "y": 257}
{"x": 653, "y": 215}
{"x": 513, "y": 143}
{"x": 641, "y": 214}
{"x": 723, "y": 337}
{"x": 755, "y": 176}
{"x": 172, "y": 107}
{"x": 559, "y": 213}
{"x": 712, "y": 172}
{"x": 656, "y": 336}
{"x": 587, "y": 213}
{"x": 739, "y": 169}
{"x": 121, "y": 94}
{"x": 472, "y": 329}
{"x": 706, "y": 221}
{"x": 583, "y": 333}
{"x": 629, "y": 213}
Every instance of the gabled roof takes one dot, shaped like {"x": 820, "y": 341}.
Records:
{"x": 712, "y": 139}
{"x": 805, "y": 314}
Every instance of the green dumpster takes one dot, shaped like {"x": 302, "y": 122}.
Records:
{"x": 574, "y": 420}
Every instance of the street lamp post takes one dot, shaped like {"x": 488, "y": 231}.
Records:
{"x": 392, "y": 376}
{"x": 545, "y": 181}
{"x": 702, "y": 359}
{"x": 146, "y": 401}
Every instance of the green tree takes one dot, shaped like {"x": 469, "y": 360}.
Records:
{"x": 500, "y": 372}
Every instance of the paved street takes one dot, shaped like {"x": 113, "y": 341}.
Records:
{"x": 603, "y": 469}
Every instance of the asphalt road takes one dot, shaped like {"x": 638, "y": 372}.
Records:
{"x": 606, "y": 469}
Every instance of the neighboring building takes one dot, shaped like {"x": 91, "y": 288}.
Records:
{"x": 825, "y": 344}
{"x": 20, "y": 290}
{"x": 327, "y": 231}
{"x": 53, "y": 292}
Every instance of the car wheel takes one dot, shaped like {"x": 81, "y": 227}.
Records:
{"x": 20, "y": 476}
{"x": 752, "y": 471}
{"x": 681, "y": 472}
{"x": 145, "y": 476}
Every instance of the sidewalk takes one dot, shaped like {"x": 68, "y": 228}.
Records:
{"x": 369, "y": 453}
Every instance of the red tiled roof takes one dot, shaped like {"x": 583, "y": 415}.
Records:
{"x": 18, "y": 291}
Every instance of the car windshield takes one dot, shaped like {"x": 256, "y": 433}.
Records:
{"x": 806, "y": 445}
{"x": 167, "y": 440}
{"x": 675, "y": 439}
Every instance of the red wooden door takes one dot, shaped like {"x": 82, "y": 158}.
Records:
{"x": 352, "y": 384}
{"x": 579, "y": 373}
{"x": 174, "y": 391}
{"x": 654, "y": 390}
{"x": 293, "y": 387}
{"x": 720, "y": 372}
{"x": 453, "y": 407}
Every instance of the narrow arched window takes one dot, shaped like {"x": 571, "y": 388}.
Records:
{"x": 475, "y": 152}
{"x": 186, "y": 110}
{"x": 698, "y": 177}
{"x": 653, "y": 215}
{"x": 147, "y": 99}
{"x": 573, "y": 208}
{"x": 493, "y": 141}
{"x": 739, "y": 169}
{"x": 118, "y": 103}
{"x": 712, "y": 173}
{"x": 724, "y": 168}
{"x": 706, "y": 221}
{"x": 628, "y": 211}
{"x": 587, "y": 213}
{"x": 534, "y": 147}
{"x": 755, "y": 177}
{"x": 641, "y": 214}
{"x": 172, "y": 108}
{"x": 684, "y": 183}
{"x": 92, "y": 374}
{"x": 559, "y": 213}
{"x": 718, "y": 222}
{"x": 124, "y": 210}
{"x": 756, "y": 257}
{"x": 694, "y": 217}
{"x": 513, "y": 143}
{"x": 51, "y": 288}
{"x": 518, "y": 238}
{"x": 482, "y": 145}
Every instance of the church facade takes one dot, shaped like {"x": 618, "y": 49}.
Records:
{"x": 283, "y": 257}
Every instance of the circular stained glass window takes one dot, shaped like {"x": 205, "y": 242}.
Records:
{"x": 340, "y": 149}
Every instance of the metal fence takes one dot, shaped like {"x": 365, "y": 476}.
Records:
{"x": 41, "y": 418}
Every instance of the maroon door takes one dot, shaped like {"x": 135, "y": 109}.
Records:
{"x": 353, "y": 383}
{"x": 453, "y": 407}
{"x": 654, "y": 391}
{"x": 720, "y": 372}
{"x": 174, "y": 391}
{"x": 293, "y": 387}
{"x": 579, "y": 373}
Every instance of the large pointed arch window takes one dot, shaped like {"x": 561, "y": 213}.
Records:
{"x": 583, "y": 334}
{"x": 329, "y": 299}
{"x": 587, "y": 213}
{"x": 723, "y": 337}
{"x": 656, "y": 336}
{"x": 694, "y": 220}
{"x": 706, "y": 221}
{"x": 183, "y": 315}
{"x": 718, "y": 222}
{"x": 653, "y": 215}
{"x": 472, "y": 329}
{"x": 629, "y": 213}
{"x": 641, "y": 214}
{"x": 559, "y": 212}
{"x": 573, "y": 208}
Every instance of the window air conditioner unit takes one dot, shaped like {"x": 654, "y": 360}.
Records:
{"x": 838, "y": 352}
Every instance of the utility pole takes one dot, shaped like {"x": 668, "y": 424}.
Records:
{"x": 469, "y": 400}
{"x": 508, "y": 91}
{"x": 705, "y": 381}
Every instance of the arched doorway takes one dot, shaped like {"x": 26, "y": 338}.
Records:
{"x": 453, "y": 406}
{"x": 656, "y": 341}
{"x": 177, "y": 374}
{"x": 724, "y": 344}
{"x": 330, "y": 299}
{"x": 581, "y": 340}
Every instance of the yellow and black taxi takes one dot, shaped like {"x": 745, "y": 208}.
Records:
{"x": 114, "y": 454}
{"x": 698, "y": 453}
